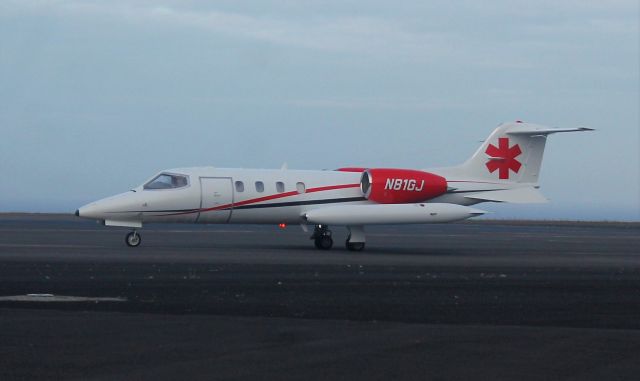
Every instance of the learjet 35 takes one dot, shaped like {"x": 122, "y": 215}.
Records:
{"x": 506, "y": 168}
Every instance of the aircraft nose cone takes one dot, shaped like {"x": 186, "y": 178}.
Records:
{"x": 118, "y": 207}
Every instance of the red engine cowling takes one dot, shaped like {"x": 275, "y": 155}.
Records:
{"x": 401, "y": 186}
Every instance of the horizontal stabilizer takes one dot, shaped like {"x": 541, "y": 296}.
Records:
{"x": 540, "y": 130}
{"x": 523, "y": 195}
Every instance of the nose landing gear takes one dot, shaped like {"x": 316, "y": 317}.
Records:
{"x": 322, "y": 237}
{"x": 133, "y": 239}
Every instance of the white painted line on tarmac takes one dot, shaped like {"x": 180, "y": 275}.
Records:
{"x": 46, "y": 245}
{"x": 58, "y": 298}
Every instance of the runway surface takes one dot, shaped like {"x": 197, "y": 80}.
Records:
{"x": 482, "y": 300}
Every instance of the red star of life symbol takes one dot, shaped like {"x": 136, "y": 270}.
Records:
{"x": 503, "y": 158}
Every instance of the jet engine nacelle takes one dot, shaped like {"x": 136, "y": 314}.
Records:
{"x": 401, "y": 186}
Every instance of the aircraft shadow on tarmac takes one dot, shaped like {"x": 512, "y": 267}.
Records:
{"x": 305, "y": 249}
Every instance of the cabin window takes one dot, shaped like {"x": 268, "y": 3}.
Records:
{"x": 167, "y": 181}
{"x": 259, "y": 186}
{"x": 280, "y": 186}
{"x": 300, "y": 187}
{"x": 239, "y": 186}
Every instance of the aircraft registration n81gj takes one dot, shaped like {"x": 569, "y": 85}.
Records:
{"x": 506, "y": 168}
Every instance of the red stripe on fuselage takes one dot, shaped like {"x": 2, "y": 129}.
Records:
{"x": 331, "y": 187}
{"x": 259, "y": 199}
{"x": 267, "y": 198}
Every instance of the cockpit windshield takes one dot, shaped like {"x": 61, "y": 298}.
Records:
{"x": 167, "y": 181}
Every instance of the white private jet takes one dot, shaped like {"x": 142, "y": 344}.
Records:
{"x": 505, "y": 168}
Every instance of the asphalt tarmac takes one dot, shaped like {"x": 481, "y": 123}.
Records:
{"x": 481, "y": 300}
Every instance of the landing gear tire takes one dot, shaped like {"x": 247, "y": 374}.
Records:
{"x": 322, "y": 237}
{"x": 133, "y": 239}
{"x": 324, "y": 243}
{"x": 354, "y": 246}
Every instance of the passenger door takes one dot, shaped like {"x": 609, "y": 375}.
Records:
{"x": 216, "y": 195}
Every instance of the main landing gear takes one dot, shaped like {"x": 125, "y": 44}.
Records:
{"x": 322, "y": 238}
{"x": 355, "y": 240}
{"x": 354, "y": 246}
{"x": 133, "y": 239}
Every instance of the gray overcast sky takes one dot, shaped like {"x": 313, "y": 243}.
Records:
{"x": 97, "y": 96}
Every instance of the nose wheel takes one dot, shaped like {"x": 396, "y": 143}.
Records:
{"x": 133, "y": 239}
{"x": 322, "y": 237}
